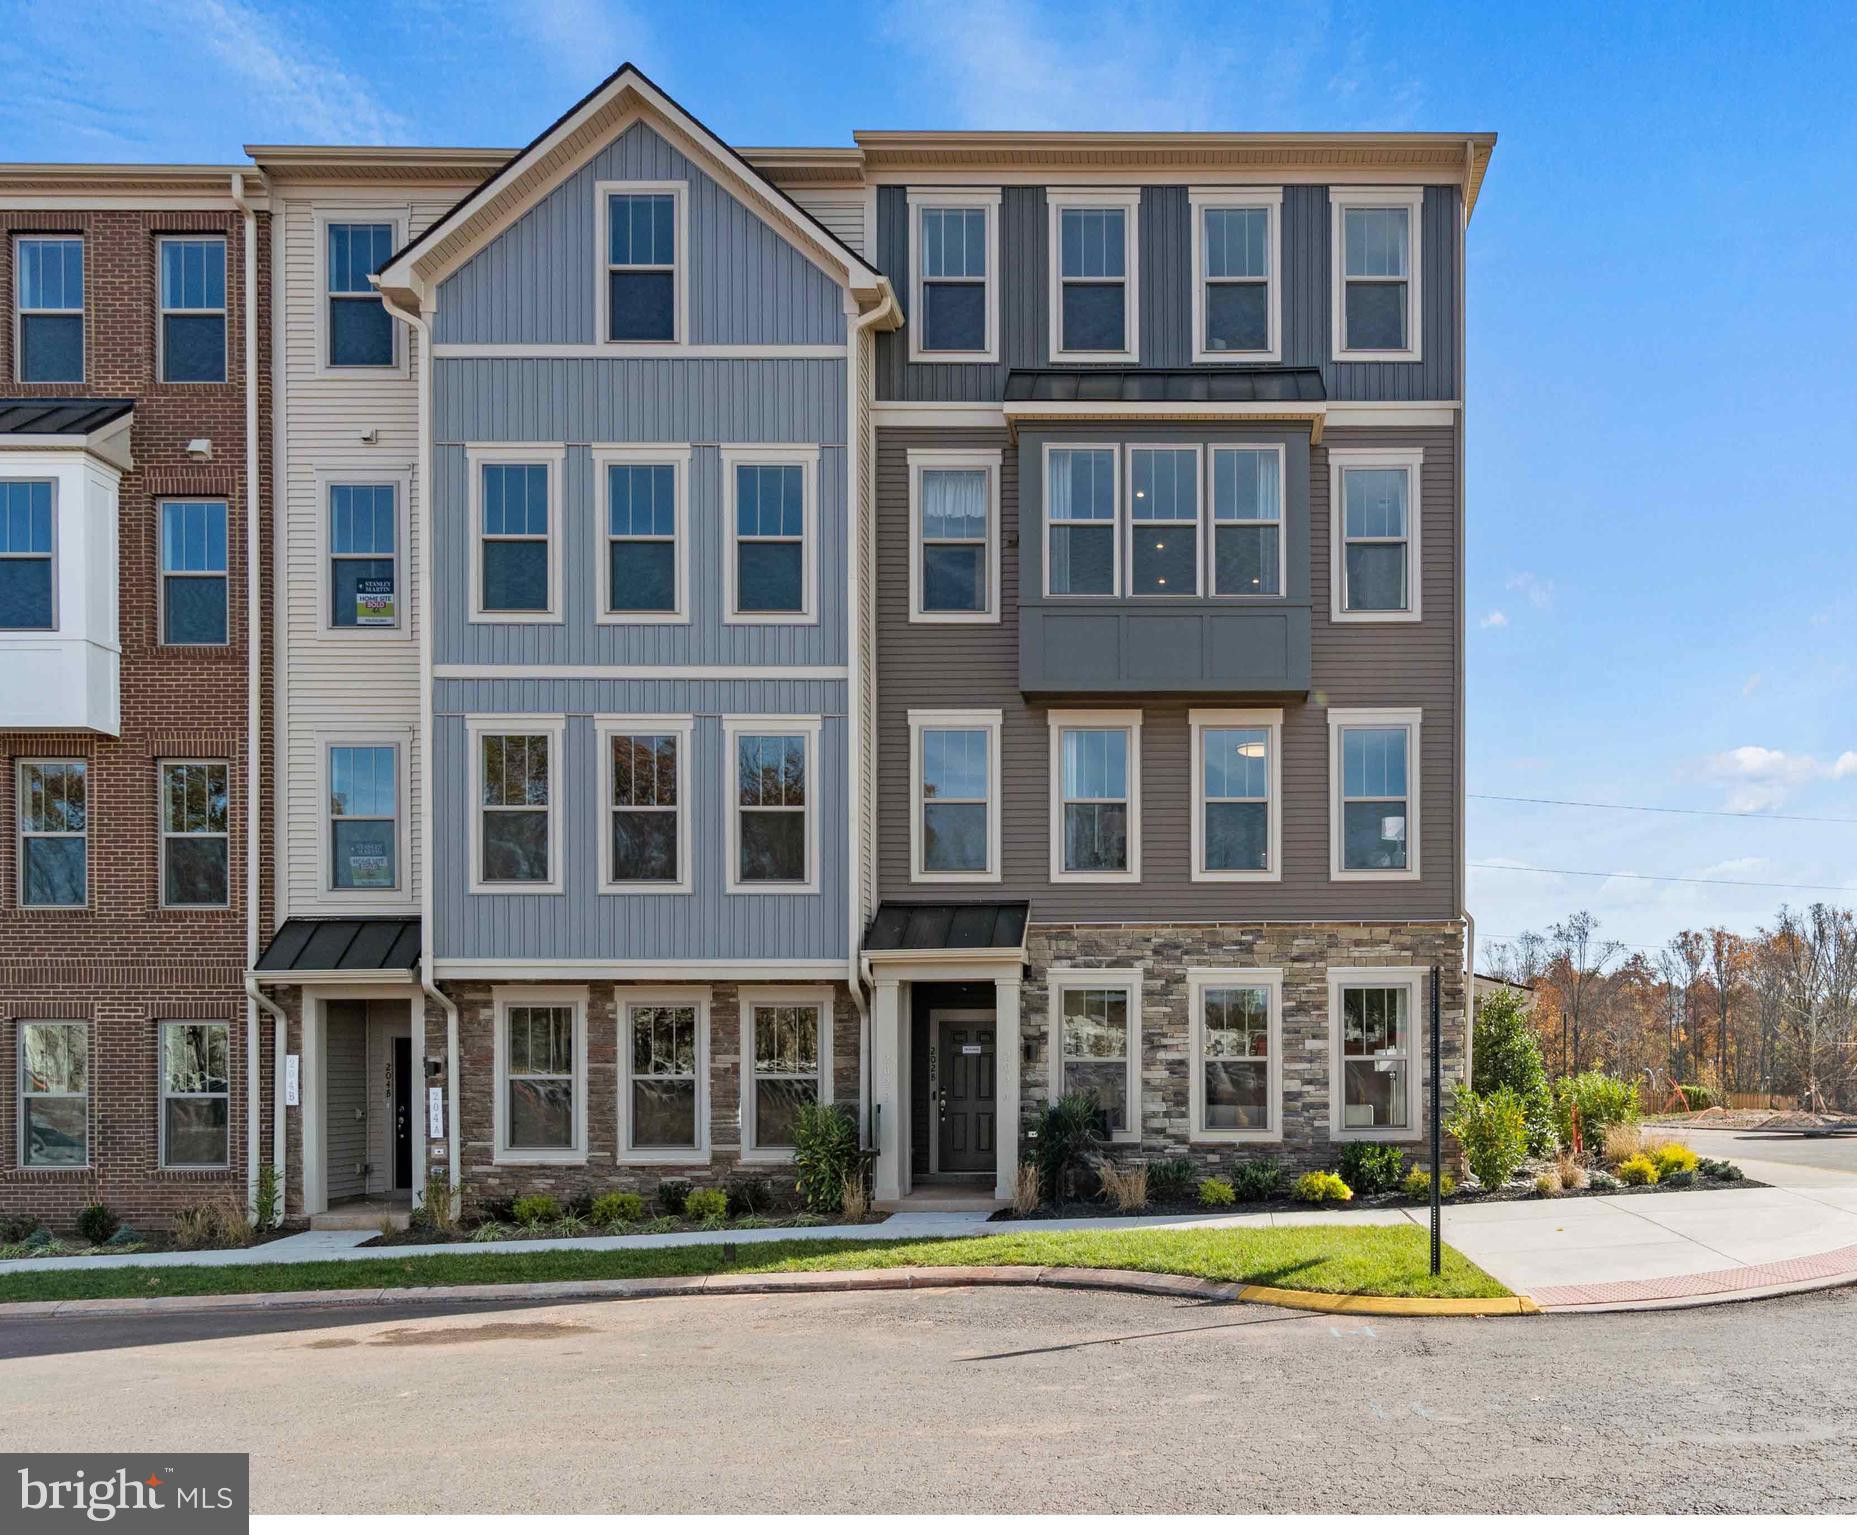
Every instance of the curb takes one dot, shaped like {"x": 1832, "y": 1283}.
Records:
{"x": 1177, "y": 1286}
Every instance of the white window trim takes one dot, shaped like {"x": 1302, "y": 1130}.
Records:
{"x": 57, "y": 484}
{"x": 478, "y": 456}
{"x": 602, "y": 265}
{"x": 821, "y": 997}
{"x": 21, "y": 1094}
{"x": 1114, "y": 449}
{"x": 988, "y": 461}
{"x": 20, "y": 832}
{"x": 605, "y": 728}
{"x": 1202, "y": 543}
{"x": 605, "y": 456}
{"x": 1199, "y": 982}
{"x": 989, "y": 720}
{"x": 807, "y": 457}
{"x": 163, "y": 836}
{"x": 502, "y": 998}
{"x": 1340, "y": 460}
{"x": 735, "y": 726}
{"x": 1340, "y": 199}
{"x": 554, "y": 726}
{"x": 987, "y": 199}
{"x": 1270, "y": 199}
{"x": 1281, "y": 524}
{"x": 627, "y": 998}
{"x": 401, "y": 742}
{"x": 1339, "y": 978}
{"x": 400, "y": 217}
{"x": 204, "y": 237}
{"x": 1058, "y": 981}
{"x": 163, "y": 574}
{"x": 1343, "y": 719}
{"x": 20, "y": 311}
{"x": 1061, "y": 720}
{"x": 162, "y": 1095}
{"x": 1270, "y": 721}
{"x": 400, "y": 477}
{"x": 1057, "y": 199}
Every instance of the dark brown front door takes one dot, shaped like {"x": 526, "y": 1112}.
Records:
{"x": 403, "y": 1112}
{"x": 966, "y": 1099}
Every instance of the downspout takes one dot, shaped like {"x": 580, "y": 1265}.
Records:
{"x": 422, "y": 327}
{"x": 1463, "y": 608}
{"x": 254, "y": 695}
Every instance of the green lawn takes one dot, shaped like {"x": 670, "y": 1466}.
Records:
{"x": 1350, "y": 1260}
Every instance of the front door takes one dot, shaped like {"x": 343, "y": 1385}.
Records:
{"x": 965, "y": 1056}
{"x": 403, "y": 1112}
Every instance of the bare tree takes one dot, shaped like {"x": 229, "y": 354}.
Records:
{"x": 1681, "y": 964}
{"x": 1518, "y": 961}
{"x": 1727, "y": 959}
{"x": 1577, "y": 958}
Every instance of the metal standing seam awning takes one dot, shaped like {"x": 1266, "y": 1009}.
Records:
{"x": 946, "y": 930}
{"x": 341, "y": 949}
{"x": 1233, "y": 395}
{"x": 98, "y": 426}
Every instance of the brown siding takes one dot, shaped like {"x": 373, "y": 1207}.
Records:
{"x": 962, "y": 666}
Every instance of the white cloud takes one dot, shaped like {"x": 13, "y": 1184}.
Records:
{"x": 1538, "y": 591}
{"x": 1761, "y": 777}
{"x": 1748, "y": 687}
{"x": 585, "y": 40}
{"x": 1494, "y": 619}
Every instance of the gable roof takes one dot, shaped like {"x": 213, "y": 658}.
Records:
{"x": 564, "y": 146}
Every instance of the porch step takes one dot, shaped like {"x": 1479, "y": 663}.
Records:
{"x": 362, "y": 1217}
{"x": 943, "y": 1201}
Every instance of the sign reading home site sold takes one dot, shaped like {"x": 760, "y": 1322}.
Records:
{"x": 374, "y": 601}
{"x": 157, "y": 1493}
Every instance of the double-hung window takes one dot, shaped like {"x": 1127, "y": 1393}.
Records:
{"x": 516, "y": 510}
{"x": 1094, "y": 275}
{"x": 540, "y": 1110}
{"x": 1374, "y": 756}
{"x": 770, "y": 507}
{"x": 1083, "y": 556}
{"x": 1373, "y": 1057}
{"x": 642, "y": 552}
{"x": 1375, "y": 532}
{"x": 193, "y": 310}
{"x": 364, "y": 538}
{"x": 664, "y": 1053}
{"x": 1236, "y": 304}
{"x": 196, "y": 861}
{"x": 1163, "y": 507}
{"x": 515, "y": 784}
{"x": 1095, "y": 1043}
{"x": 954, "y": 240}
{"x": 196, "y": 1094}
{"x": 954, "y": 519}
{"x": 364, "y": 817}
{"x": 642, "y": 291}
{"x": 54, "y": 1094}
{"x": 648, "y": 831}
{"x": 27, "y": 583}
{"x": 54, "y": 833}
{"x": 1236, "y": 1087}
{"x": 193, "y": 573}
{"x": 954, "y": 759}
{"x": 1095, "y": 795}
{"x": 787, "y": 1051}
{"x": 1237, "y": 776}
{"x": 49, "y": 339}
{"x": 1375, "y": 260}
{"x": 1247, "y": 522}
{"x": 361, "y": 334}
{"x": 773, "y": 824}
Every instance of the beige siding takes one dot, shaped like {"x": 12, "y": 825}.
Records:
{"x": 841, "y": 209}
{"x": 345, "y": 1075}
{"x": 976, "y": 666}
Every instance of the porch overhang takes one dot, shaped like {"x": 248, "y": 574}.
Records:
{"x": 966, "y": 936}
{"x": 327, "y": 950}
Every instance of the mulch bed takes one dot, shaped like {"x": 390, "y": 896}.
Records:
{"x": 777, "y": 1220}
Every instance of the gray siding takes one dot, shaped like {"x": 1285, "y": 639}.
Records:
{"x": 1166, "y": 297}
{"x": 583, "y": 924}
{"x": 959, "y": 666}
{"x": 536, "y": 281}
{"x": 345, "y": 1094}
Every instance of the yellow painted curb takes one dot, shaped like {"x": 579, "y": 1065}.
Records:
{"x": 1389, "y": 1305}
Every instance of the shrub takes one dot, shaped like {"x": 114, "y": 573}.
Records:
{"x": 270, "y": 1197}
{"x": 1602, "y": 1102}
{"x": 1418, "y": 1184}
{"x": 1214, "y": 1192}
{"x": 1547, "y": 1184}
{"x": 1678, "y": 1180}
{"x": 749, "y": 1196}
{"x": 1672, "y": 1157}
{"x": 1493, "y": 1130}
{"x": 705, "y": 1205}
{"x": 853, "y": 1202}
{"x": 1601, "y": 1181}
{"x": 1506, "y": 1052}
{"x": 1070, "y": 1139}
{"x": 1572, "y": 1175}
{"x": 14, "y": 1229}
{"x": 1257, "y": 1180}
{"x": 1709, "y": 1167}
{"x": 1125, "y": 1187}
{"x": 1637, "y": 1171}
{"x": 672, "y": 1192}
{"x": 826, "y": 1155}
{"x": 96, "y": 1224}
{"x": 1025, "y": 1189}
{"x": 1369, "y": 1167}
{"x": 1696, "y": 1095}
{"x": 535, "y": 1209}
{"x": 1322, "y": 1189}
{"x": 223, "y": 1224}
{"x": 1172, "y": 1179}
{"x": 616, "y": 1207}
{"x": 1621, "y": 1142}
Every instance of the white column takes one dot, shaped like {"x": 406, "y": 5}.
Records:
{"x": 886, "y": 1086}
{"x": 1006, "y": 1052}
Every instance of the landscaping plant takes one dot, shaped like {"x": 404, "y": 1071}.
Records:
{"x": 1214, "y": 1192}
{"x": 1697, "y": 1095}
{"x": 269, "y": 1198}
{"x": 1506, "y": 1052}
{"x": 748, "y": 1196}
{"x": 672, "y": 1192}
{"x": 1622, "y": 1141}
{"x": 1125, "y": 1187}
{"x": 1493, "y": 1130}
{"x": 1601, "y": 1102}
{"x": 1418, "y": 1184}
{"x": 96, "y": 1224}
{"x": 1547, "y": 1184}
{"x": 1025, "y": 1188}
{"x": 616, "y": 1207}
{"x": 1253, "y": 1181}
{"x": 1371, "y": 1167}
{"x": 1709, "y": 1167}
{"x": 705, "y": 1205}
{"x": 1071, "y": 1133}
{"x": 854, "y": 1201}
{"x": 1671, "y": 1157}
{"x": 535, "y": 1209}
{"x": 1601, "y": 1181}
{"x": 1171, "y": 1179}
{"x": 1637, "y": 1171}
{"x": 1572, "y": 1174}
{"x": 825, "y": 1155}
{"x": 1322, "y": 1189}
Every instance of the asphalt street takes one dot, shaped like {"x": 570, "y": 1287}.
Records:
{"x": 1829, "y": 1153}
{"x": 968, "y": 1400}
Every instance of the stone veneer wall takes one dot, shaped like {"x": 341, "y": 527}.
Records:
{"x": 1303, "y": 951}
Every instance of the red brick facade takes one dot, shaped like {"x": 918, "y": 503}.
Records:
{"x": 125, "y": 962}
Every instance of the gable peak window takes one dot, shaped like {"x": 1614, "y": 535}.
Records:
{"x": 361, "y": 332}
{"x": 1235, "y": 299}
{"x": 954, "y": 248}
{"x": 193, "y": 309}
{"x": 54, "y": 833}
{"x": 193, "y": 573}
{"x": 27, "y": 586}
{"x": 49, "y": 299}
{"x": 1094, "y": 263}
{"x": 642, "y": 278}
{"x": 1376, "y": 248}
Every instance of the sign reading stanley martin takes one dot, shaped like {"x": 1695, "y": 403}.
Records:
{"x": 157, "y": 1494}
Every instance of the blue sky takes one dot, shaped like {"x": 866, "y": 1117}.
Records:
{"x": 1661, "y": 487}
